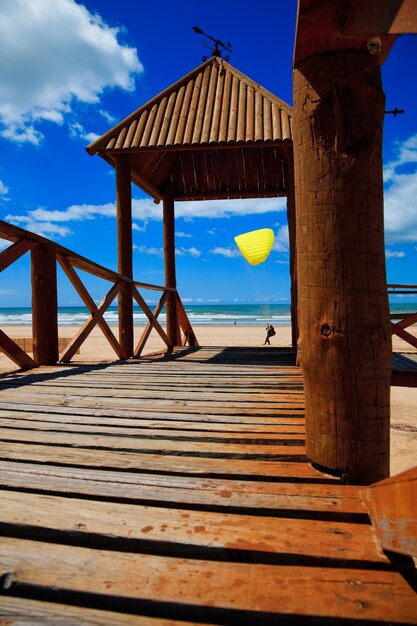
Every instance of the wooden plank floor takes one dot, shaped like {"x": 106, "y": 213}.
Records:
{"x": 176, "y": 490}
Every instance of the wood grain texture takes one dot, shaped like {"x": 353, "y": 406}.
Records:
{"x": 44, "y": 304}
{"x": 345, "y": 337}
{"x": 176, "y": 488}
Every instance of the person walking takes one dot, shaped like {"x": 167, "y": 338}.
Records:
{"x": 270, "y": 332}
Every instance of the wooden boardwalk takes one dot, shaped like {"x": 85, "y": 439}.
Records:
{"x": 176, "y": 489}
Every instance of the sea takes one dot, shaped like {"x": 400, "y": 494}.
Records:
{"x": 198, "y": 314}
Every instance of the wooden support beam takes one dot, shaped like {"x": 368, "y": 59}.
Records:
{"x": 125, "y": 251}
{"x": 44, "y": 305}
{"x": 185, "y": 324}
{"x": 152, "y": 319}
{"x": 169, "y": 261}
{"x": 144, "y": 337}
{"x": 15, "y": 352}
{"x": 96, "y": 313}
{"x": 345, "y": 334}
{"x": 289, "y": 183}
{"x": 13, "y": 252}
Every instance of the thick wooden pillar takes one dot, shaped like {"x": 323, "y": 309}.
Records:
{"x": 44, "y": 305}
{"x": 169, "y": 260}
{"x": 124, "y": 241}
{"x": 345, "y": 336}
{"x": 289, "y": 182}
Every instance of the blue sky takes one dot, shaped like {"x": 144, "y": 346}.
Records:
{"x": 71, "y": 70}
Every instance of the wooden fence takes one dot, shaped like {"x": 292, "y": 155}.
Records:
{"x": 405, "y": 319}
{"x": 45, "y": 255}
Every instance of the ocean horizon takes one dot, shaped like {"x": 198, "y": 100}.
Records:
{"x": 199, "y": 314}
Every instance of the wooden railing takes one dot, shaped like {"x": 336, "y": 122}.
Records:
{"x": 405, "y": 319}
{"x": 45, "y": 255}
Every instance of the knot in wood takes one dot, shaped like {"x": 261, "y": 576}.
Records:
{"x": 325, "y": 330}
{"x": 377, "y": 335}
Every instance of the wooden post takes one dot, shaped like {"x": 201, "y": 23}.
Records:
{"x": 289, "y": 183}
{"x": 125, "y": 251}
{"x": 345, "y": 336}
{"x": 169, "y": 260}
{"x": 44, "y": 305}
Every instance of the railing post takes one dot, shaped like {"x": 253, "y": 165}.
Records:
{"x": 125, "y": 262}
{"x": 169, "y": 259}
{"x": 44, "y": 305}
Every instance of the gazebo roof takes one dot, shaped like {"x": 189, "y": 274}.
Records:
{"x": 214, "y": 107}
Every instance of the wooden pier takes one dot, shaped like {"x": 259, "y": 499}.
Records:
{"x": 176, "y": 489}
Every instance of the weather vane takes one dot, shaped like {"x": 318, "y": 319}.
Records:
{"x": 395, "y": 112}
{"x": 218, "y": 45}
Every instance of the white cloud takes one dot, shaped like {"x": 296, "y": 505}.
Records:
{"x": 188, "y": 252}
{"x": 229, "y": 253}
{"x": 151, "y": 251}
{"x": 107, "y": 116}
{"x": 46, "y": 229}
{"x": 8, "y": 292}
{"x": 281, "y": 241}
{"x": 3, "y": 190}
{"x": 77, "y": 131}
{"x": 229, "y": 208}
{"x": 394, "y": 254}
{"x": 74, "y": 213}
{"x": 141, "y": 229}
{"x": 401, "y": 194}
{"x": 183, "y": 235}
{"x": 54, "y": 53}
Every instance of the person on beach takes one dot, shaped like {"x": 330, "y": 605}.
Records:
{"x": 270, "y": 332}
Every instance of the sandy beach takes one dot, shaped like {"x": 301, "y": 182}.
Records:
{"x": 403, "y": 399}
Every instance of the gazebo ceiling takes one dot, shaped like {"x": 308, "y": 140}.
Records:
{"x": 213, "y": 134}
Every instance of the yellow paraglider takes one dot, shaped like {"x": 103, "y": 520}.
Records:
{"x": 256, "y": 245}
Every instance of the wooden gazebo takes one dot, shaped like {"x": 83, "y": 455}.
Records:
{"x": 217, "y": 134}
{"x": 214, "y": 134}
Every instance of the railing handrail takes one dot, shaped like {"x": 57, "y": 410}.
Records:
{"x": 392, "y": 288}
{"x": 45, "y": 254}
{"x": 15, "y": 233}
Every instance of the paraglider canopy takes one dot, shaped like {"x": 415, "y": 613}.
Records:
{"x": 256, "y": 245}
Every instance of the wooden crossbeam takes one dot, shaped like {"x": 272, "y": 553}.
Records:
{"x": 144, "y": 337}
{"x": 96, "y": 313}
{"x": 15, "y": 353}
{"x": 14, "y": 252}
{"x": 152, "y": 319}
{"x": 403, "y": 334}
{"x": 185, "y": 325}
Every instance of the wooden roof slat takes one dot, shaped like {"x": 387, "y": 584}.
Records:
{"x": 241, "y": 118}
{"x": 189, "y": 127}
{"x": 165, "y": 125}
{"x": 175, "y": 116}
{"x": 250, "y": 113}
{"x": 149, "y": 126}
{"x": 259, "y": 131}
{"x": 201, "y": 107}
{"x": 225, "y": 112}
{"x": 233, "y": 115}
{"x": 130, "y": 133}
{"x": 201, "y": 116}
{"x": 182, "y": 120}
{"x": 267, "y": 115}
{"x": 217, "y": 109}
{"x": 158, "y": 122}
{"x": 139, "y": 130}
{"x": 205, "y": 133}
